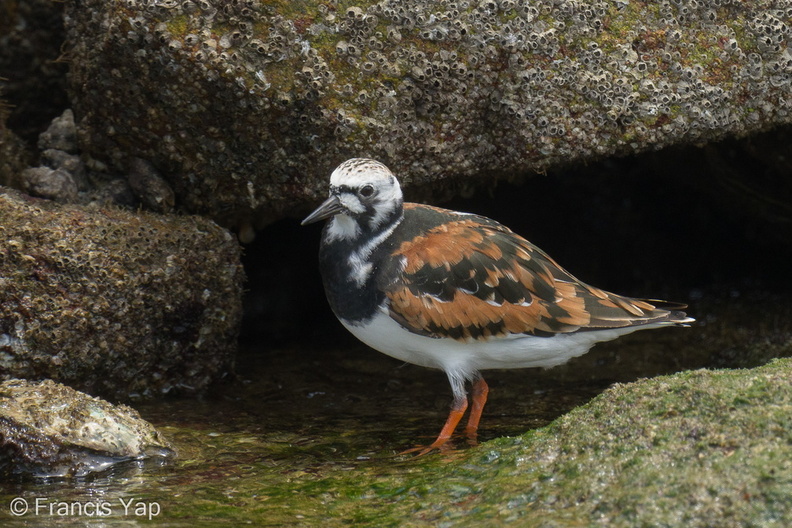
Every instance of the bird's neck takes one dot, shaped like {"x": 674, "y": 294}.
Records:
{"x": 350, "y": 259}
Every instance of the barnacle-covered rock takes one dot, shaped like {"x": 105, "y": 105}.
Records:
{"x": 246, "y": 105}
{"x": 50, "y": 430}
{"x": 115, "y": 303}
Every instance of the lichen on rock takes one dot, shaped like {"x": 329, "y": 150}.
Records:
{"x": 126, "y": 305}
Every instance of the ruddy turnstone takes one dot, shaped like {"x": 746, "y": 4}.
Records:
{"x": 456, "y": 291}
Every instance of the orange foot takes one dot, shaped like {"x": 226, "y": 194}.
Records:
{"x": 479, "y": 398}
{"x": 442, "y": 447}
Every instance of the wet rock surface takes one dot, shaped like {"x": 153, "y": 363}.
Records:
{"x": 50, "y": 430}
{"x": 246, "y": 107}
{"x": 115, "y": 303}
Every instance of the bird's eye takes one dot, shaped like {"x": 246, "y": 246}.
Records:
{"x": 366, "y": 191}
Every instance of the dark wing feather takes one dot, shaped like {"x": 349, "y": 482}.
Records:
{"x": 471, "y": 277}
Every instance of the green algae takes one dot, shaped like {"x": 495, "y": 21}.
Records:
{"x": 595, "y": 464}
{"x": 700, "y": 448}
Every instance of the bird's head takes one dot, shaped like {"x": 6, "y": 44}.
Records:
{"x": 364, "y": 196}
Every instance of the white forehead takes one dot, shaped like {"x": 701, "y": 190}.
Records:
{"x": 360, "y": 171}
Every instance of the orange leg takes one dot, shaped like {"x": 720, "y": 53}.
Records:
{"x": 457, "y": 410}
{"x": 479, "y": 398}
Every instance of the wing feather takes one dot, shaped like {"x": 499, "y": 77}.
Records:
{"x": 472, "y": 278}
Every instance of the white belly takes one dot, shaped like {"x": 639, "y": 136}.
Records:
{"x": 384, "y": 334}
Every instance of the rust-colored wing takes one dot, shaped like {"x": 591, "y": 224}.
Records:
{"x": 472, "y": 278}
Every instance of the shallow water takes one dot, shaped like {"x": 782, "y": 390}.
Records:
{"x": 305, "y": 430}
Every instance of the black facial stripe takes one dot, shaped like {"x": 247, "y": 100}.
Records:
{"x": 339, "y": 189}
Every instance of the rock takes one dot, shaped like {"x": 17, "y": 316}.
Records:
{"x": 147, "y": 184}
{"x": 114, "y": 192}
{"x": 61, "y": 134}
{"x": 700, "y": 448}
{"x": 115, "y": 303}
{"x": 70, "y": 163}
{"x": 246, "y": 107}
{"x": 44, "y": 182}
{"x": 50, "y": 430}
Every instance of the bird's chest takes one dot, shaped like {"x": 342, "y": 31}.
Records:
{"x": 351, "y": 281}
